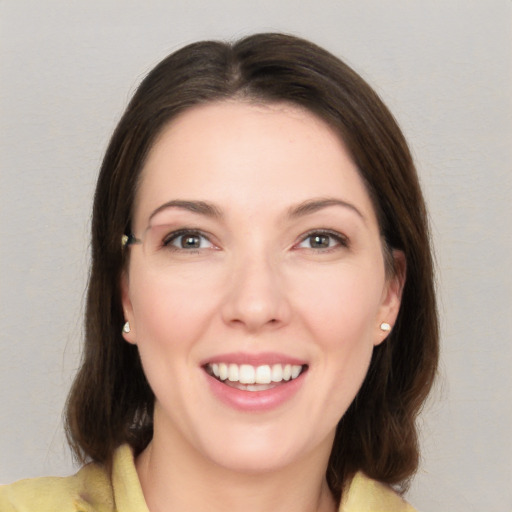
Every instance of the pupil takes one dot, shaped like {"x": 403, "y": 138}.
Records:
{"x": 191, "y": 242}
{"x": 321, "y": 241}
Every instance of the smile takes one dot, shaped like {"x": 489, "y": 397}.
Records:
{"x": 255, "y": 383}
{"x": 247, "y": 375}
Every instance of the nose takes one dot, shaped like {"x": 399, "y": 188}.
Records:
{"x": 256, "y": 297}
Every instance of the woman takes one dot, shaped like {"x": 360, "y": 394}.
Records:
{"x": 261, "y": 326}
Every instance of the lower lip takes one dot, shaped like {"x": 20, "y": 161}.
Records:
{"x": 255, "y": 401}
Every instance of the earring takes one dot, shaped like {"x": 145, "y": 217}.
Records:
{"x": 384, "y": 326}
{"x": 126, "y": 327}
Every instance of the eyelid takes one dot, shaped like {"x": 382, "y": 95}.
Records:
{"x": 170, "y": 237}
{"x": 343, "y": 240}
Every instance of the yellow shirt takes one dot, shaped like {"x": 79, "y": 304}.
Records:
{"x": 92, "y": 489}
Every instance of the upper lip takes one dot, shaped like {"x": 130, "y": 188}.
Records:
{"x": 259, "y": 359}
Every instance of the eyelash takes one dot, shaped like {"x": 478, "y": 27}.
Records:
{"x": 168, "y": 240}
{"x": 339, "y": 239}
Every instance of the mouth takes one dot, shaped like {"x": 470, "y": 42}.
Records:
{"x": 247, "y": 377}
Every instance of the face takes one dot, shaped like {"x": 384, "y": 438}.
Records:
{"x": 257, "y": 293}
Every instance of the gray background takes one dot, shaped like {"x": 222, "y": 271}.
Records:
{"x": 444, "y": 68}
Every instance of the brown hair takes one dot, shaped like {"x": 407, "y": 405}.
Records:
{"x": 111, "y": 402}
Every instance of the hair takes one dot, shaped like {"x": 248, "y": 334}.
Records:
{"x": 111, "y": 403}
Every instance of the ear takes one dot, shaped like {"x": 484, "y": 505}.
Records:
{"x": 130, "y": 336}
{"x": 391, "y": 296}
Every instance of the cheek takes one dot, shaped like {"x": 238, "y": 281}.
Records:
{"x": 342, "y": 325}
{"x": 171, "y": 311}
{"x": 340, "y": 315}
{"x": 342, "y": 307}
{"x": 170, "y": 315}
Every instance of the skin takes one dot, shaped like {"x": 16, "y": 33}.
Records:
{"x": 258, "y": 283}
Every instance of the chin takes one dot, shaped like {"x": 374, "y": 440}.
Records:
{"x": 248, "y": 460}
{"x": 264, "y": 450}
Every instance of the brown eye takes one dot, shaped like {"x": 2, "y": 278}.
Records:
{"x": 187, "y": 240}
{"x": 319, "y": 241}
{"x": 190, "y": 242}
{"x": 322, "y": 240}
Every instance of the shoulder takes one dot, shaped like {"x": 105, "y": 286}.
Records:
{"x": 367, "y": 495}
{"x": 89, "y": 490}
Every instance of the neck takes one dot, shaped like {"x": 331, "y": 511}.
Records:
{"x": 175, "y": 478}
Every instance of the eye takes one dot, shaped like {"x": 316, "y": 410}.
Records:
{"x": 186, "y": 239}
{"x": 323, "y": 240}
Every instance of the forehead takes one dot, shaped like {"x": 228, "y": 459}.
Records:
{"x": 248, "y": 156}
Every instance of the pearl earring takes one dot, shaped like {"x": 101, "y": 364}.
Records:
{"x": 384, "y": 326}
{"x": 126, "y": 327}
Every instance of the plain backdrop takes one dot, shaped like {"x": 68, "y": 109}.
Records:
{"x": 444, "y": 68}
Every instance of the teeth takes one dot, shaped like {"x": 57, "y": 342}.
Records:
{"x": 233, "y": 373}
{"x": 296, "y": 371}
{"x": 248, "y": 374}
{"x": 223, "y": 371}
{"x": 263, "y": 375}
{"x": 277, "y": 373}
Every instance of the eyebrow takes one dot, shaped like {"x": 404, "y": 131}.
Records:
{"x": 199, "y": 207}
{"x": 305, "y": 208}
{"x": 314, "y": 205}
